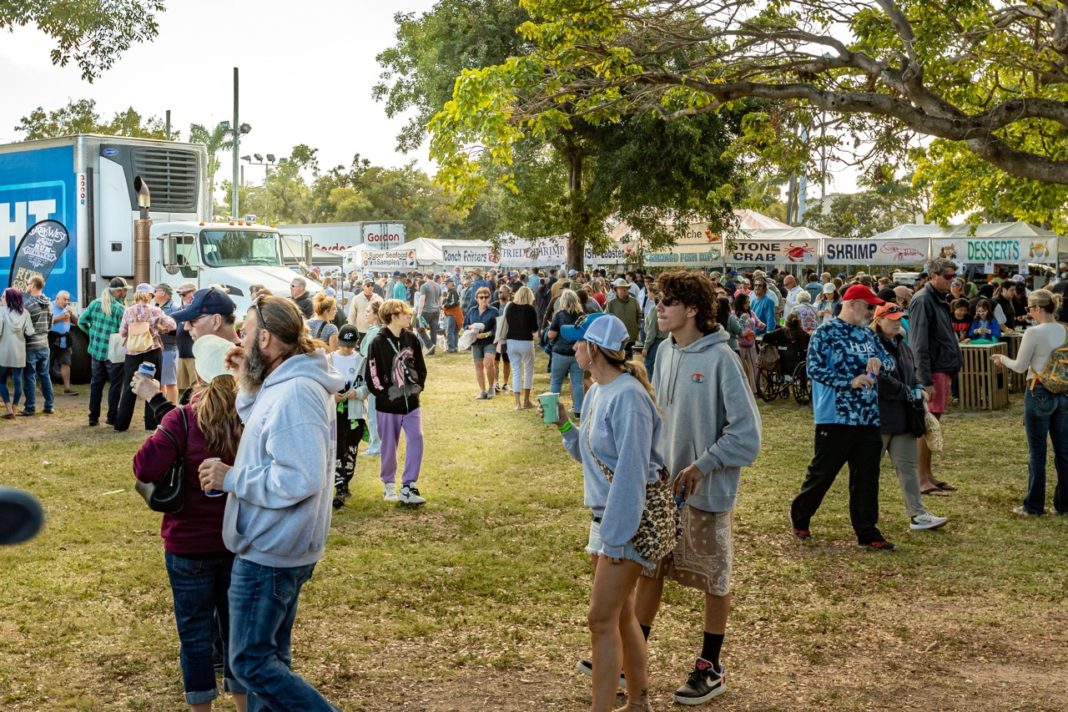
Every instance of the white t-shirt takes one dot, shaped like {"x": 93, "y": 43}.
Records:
{"x": 351, "y": 369}
{"x": 1037, "y": 344}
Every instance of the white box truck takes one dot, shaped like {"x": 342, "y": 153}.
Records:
{"x": 86, "y": 182}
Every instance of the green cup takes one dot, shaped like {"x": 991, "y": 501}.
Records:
{"x": 550, "y": 406}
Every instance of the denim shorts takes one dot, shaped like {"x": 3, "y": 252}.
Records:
{"x": 483, "y": 348}
{"x": 594, "y": 546}
{"x": 168, "y": 370}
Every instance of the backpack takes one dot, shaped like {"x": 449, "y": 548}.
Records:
{"x": 1054, "y": 374}
{"x": 768, "y": 358}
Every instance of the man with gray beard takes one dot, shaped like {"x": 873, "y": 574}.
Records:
{"x": 280, "y": 491}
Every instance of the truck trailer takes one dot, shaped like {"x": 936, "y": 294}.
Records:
{"x": 90, "y": 184}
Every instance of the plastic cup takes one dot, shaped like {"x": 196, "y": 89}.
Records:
{"x": 213, "y": 493}
{"x": 550, "y": 406}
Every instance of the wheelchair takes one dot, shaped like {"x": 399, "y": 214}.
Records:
{"x": 773, "y": 383}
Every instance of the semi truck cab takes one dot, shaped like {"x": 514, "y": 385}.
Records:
{"x": 233, "y": 256}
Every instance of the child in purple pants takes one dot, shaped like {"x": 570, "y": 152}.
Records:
{"x": 395, "y": 374}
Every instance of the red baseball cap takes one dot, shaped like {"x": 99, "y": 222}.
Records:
{"x": 859, "y": 291}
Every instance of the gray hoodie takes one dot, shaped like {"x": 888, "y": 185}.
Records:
{"x": 710, "y": 417}
{"x": 281, "y": 484}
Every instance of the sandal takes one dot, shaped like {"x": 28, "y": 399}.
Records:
{"x": 945, "y": 486}
{"x": 935, "y": 492}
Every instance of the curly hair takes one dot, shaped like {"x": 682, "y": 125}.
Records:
{"x": 693, "y": 290}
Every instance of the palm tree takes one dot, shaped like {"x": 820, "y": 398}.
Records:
{"x": 216, "y": 140}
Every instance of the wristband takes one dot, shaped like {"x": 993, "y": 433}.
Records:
{"x": 566, "y": 426}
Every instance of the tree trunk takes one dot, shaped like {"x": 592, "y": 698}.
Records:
{"x": 579, "y": 218}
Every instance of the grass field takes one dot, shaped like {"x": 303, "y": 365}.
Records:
{"x": 477, "y": 601}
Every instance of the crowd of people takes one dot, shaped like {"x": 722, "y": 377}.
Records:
{"x": 662, "y": 378}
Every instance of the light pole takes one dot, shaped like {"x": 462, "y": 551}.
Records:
{"x": 267, "y": 177}
{"x": 237, "y": 130}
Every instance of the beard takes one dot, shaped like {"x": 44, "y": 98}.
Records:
{"x": 254, "y": 370}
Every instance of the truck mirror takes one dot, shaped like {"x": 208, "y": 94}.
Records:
{"x": 170, "y": 254}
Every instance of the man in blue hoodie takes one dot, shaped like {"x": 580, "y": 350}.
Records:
{"x": 711, "y": 429}
{"x": 844, "y": 360}
{"x": 280, "y": 492}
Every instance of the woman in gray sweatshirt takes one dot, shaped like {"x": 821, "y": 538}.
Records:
{"x": 619, "y": 435}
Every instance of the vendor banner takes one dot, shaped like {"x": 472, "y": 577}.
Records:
{"x": 774, "y": 252}
{"x": 37, "y": 253}
{"x": 528, "y": 254}
{"x": 1011, "y": 250}
{"x": 875, "y": 252}
{"x": 382, "y": 260}
{"x": 475, "y": 256}
{"x": 684, "y": 256}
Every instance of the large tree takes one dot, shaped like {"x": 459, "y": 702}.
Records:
{"x": 561, "y": 175}
{"x": 91, "y": 34}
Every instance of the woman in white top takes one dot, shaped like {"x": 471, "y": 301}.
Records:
{"x": 15, "y": 326}
{"x": 1045, "y": 412}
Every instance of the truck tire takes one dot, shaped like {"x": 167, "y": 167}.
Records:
{"x": 81, "y": 367}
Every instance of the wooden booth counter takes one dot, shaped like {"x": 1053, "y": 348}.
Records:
{"x": 983, "y": 386}
{"x": 1016, "y": 381}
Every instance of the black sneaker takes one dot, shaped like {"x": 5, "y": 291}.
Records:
{"x": 704, "y": 683}
{"x": 586, "y": 668}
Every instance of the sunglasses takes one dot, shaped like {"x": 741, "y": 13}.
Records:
{"x": 871, "y": 307}
{"x": 482, "y": 296}
{"x": 951, "y": 275}
{"x": 893, "y": 310}
{"x": 259, "y": 315}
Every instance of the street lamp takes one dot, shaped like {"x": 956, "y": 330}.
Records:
{"x": 267, "y": 176}
{"x": 237, "y": 130}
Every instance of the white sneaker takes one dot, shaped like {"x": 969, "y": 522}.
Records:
{"x": 927, "y": 521}
{"x": 409, "y": 494}
{"x": 389, "y": 492}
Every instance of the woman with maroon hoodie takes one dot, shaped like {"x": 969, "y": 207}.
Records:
{"x": 198, "y": 563}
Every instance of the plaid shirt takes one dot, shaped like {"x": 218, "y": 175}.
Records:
{"x": 99, "y": 326}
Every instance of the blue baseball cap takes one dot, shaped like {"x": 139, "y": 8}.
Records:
{"x": 605, "y": 330}
{"x": 206, "y": 301}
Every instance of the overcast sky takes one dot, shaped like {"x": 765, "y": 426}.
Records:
{"x": 306, "y": 72}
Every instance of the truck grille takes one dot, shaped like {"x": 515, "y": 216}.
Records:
{"x": 171, "y": 176}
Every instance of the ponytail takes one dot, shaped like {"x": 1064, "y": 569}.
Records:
{"x": 217, "y": 416}
{"x": 632, "y": 368}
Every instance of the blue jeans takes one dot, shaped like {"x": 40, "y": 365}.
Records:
{"x": 37, "y": 370}
{"x": 263, "y": 607}
{"x": 650, "y": 357}
{"x": 1046, "y": 416}
{"x": 16, "y": 378}
{"x": 111, "y": 373}
{"x": 562, "y": 366}
{"x": 452, "y": 337}
{"x": 200, "y": 590}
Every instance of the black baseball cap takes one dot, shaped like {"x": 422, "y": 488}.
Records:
{"x": 348, "y": 335}
{"x": 206, "y": 301}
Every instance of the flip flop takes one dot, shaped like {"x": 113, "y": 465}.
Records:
{"x": 934, "y": 492}
{"x": 945, "y": 486}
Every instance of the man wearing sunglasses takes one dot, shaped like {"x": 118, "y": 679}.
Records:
{"x": 844, "y": 360}
{"x": 938, "y": 357}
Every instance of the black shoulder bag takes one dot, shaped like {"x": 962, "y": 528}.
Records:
{"x": 168, "y": 495}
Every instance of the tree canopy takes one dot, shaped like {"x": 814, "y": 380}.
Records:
{"x": 81, "y": 116}
{"x": 988, "y": 75}
{"x": 549, "y": 176}
{"x": 91, "y": 34}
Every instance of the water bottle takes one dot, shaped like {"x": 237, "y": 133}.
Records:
{"x": 147, "y": 369}
{"x": 680, "y": 498}
{"x": 917, "y": 392}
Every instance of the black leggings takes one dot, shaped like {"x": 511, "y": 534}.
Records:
{"x": 129, "y": 398}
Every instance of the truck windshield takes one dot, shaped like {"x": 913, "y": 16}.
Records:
{"x": 233, "y": 248}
